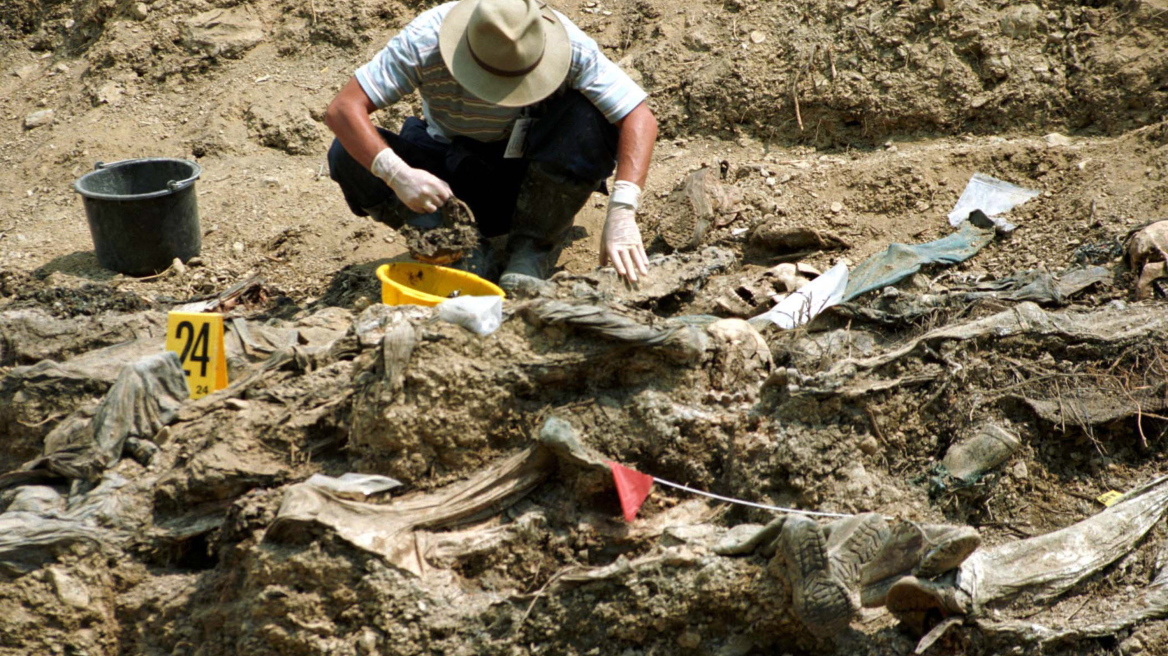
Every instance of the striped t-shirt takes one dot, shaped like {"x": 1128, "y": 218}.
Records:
{"x": 412, "y": 60}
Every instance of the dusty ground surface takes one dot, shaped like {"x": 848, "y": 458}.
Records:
{"x": 858, "y": 118}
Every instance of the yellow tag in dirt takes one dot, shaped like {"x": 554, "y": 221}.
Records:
{"x": 197, "y": 337}
{"x": 1109, "y": 498}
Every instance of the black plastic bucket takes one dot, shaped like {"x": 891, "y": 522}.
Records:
{"x": 142, "y": 213}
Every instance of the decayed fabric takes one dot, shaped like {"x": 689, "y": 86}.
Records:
{"x": 39, "y": 524}
{"x": 1036, "y": 570}
{"x": 900, "y": 261}
{"x": 1042, "y": 287}
{"x": 680, "y": 337}
{"x": 600, "y": 321}
{"x": 1048, "y": 565}
{"x": 28, "y": 540}
{"x": 1110, "y": 324}
{"x": 392, "y": 530}
{"x": 145, "y": 397}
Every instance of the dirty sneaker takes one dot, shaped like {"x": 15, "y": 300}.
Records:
{"x": 946, "y": 547}
{"x": 851, "y": 543}
{"x": 920, "y": 604}
{"x": 822, "y": 602}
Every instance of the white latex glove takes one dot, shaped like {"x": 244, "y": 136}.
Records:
{"x": 620, "y": 242}
{"x": 420, "y": 190}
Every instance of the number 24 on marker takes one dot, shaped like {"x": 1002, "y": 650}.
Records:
{"x": 197, "y": 338}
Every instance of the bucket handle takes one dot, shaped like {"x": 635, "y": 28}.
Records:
{"x": 178, "y": 185}
{"x": 172, "y": 185}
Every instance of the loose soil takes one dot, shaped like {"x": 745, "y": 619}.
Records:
{"x": 454, "y": 238}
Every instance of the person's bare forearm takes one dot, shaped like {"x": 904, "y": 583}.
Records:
{"x": 634, "y": 150}
{"x": 348, "y": 118}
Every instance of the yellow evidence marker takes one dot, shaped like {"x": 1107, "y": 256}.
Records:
{"x": 1109, "y": 498}
{"x": 197, "y": 338}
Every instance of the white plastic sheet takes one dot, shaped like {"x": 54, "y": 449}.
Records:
{"x": 804, "y": 305}
{"x": 479, "y": 314}
{"x": 353, "y": 486}
{"x": 992, "y": 196}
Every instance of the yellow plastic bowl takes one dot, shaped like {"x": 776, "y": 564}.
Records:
{"x": 410, "y": 283}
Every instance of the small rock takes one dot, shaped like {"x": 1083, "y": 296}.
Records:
{"x": 26, "y": 71}
{"x": 389, "y": 240}
{"x": 1132, "y": 645}
{"x": 699, "y": 41}
{"x": 195, "y": 261}
{"x": 361, "y": 303}
{"x": 1021, "y": 21}
{"x": 1056, "y": 139}
{"x": 1019, "y": 471}
{"x": 837, "y": 207}
{"x": 223, "y": 32}
{"x": 70, "y": 590}
{"x": 178, "y": 267}
{"x": 139, "y": 11}
{"x": 38, "y": 119}
{"x": 237, "y": 248}
{"x": 757, "y": 36}
{"x": 236, "y": 404}
{"x": 869, "y": 445}
{"x": 109, "y": 93}
{"x": 271, "y": 181}
{"x": 61, "y": 67}
{"x": 367, "y": 642}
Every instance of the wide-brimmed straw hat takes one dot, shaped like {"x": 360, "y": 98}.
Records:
{"x": 510, "y": 53}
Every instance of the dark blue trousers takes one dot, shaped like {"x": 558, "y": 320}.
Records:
{"x": 571, "y": 140}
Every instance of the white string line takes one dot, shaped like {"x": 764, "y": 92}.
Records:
{"x": 748, "y": 503}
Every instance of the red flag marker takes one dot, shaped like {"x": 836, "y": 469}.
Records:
{"x": 632, "y": 487}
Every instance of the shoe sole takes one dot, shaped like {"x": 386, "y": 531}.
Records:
{"x": 822, "y": 603}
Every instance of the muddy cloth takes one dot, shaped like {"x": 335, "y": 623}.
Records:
{"x": 1042, "y": 287}
{"x": 680, "y": 332}
{"x": 29, "y": 540}
{"x": 900, "y": 261}
{"x": 1045, "y": 566}
{"x": 29, "y": 335}
{"x": 1110, "y": 325}
{"x": 39, "y": 523}
{"x": 391, "y": 530}
{"x": 145, "y": 397}
{"x": 571, "y": 138}
{"x": 1097, "y": 405}
{"x": 600, "y": 321}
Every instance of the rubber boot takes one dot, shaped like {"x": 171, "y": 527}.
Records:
{"x": 477, "y": 261}
{"x": 544, "y": 211}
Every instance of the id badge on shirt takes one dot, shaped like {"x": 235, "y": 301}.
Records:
{"x": 518, "y": 141}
